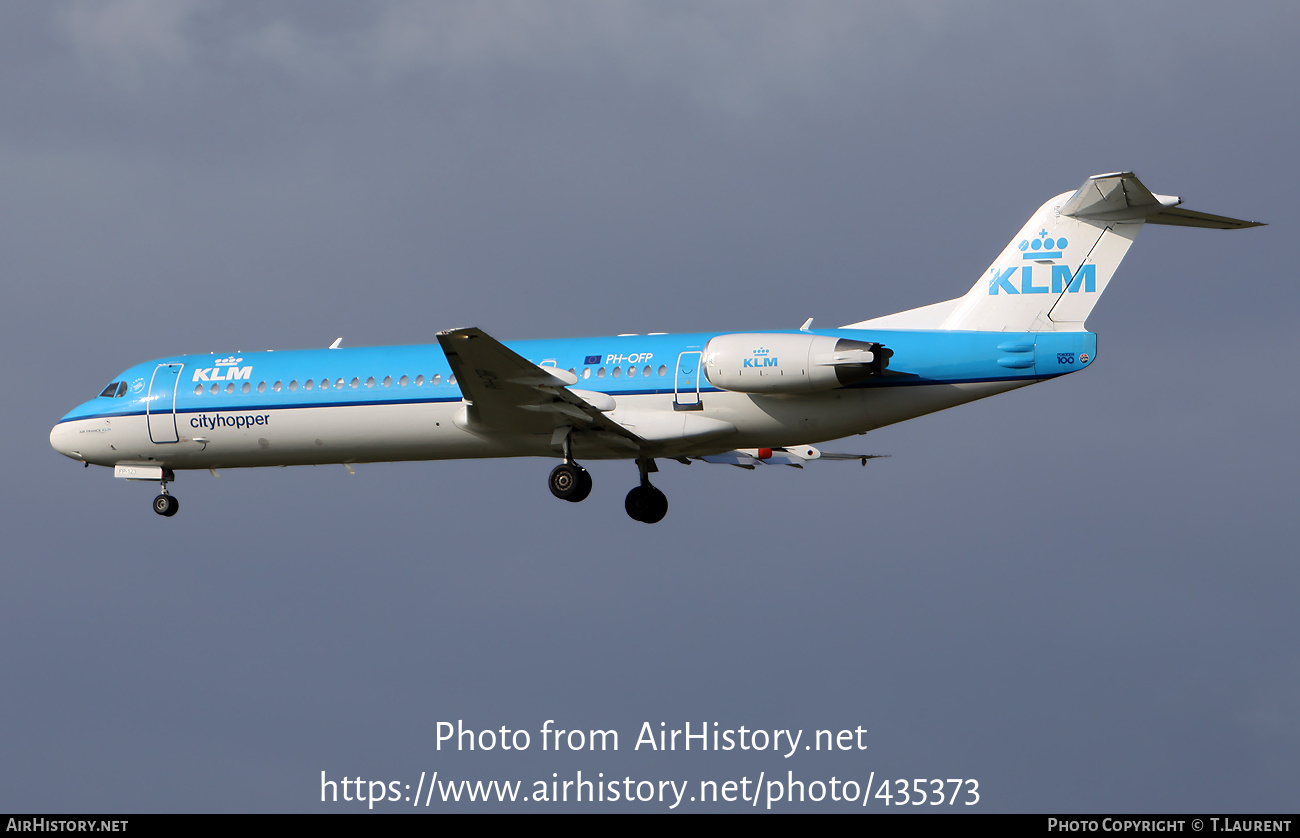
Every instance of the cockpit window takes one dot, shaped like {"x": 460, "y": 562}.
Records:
{"x": 111, "y": 390}
{"x": 121, "y": 390}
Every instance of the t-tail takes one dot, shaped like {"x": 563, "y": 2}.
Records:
{"x": 1053, "y": 272}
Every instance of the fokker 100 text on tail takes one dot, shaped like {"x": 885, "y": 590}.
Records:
{"x": 745, "y": 399}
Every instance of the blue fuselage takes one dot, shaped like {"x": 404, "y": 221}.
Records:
{"x": 392, "y": 403}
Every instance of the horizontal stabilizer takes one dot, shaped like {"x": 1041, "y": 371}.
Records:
{"x": 1121, "y": 197}
{"x": 1115, "y": 197}
{"x": 1179, "y": 217}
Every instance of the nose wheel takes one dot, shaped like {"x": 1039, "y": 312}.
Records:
{"x": 166, "y": 505}
{"x": 645, "y": 503}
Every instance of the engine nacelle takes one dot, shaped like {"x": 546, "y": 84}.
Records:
{"x": 786, "y": 363}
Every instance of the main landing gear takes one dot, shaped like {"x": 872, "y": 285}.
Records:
{"x": 645, "y": 503}
{"x": 166, "y": 505}
{"x": 570, "y": 481}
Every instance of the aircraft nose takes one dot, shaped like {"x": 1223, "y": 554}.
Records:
{"x": 61, "y": 440}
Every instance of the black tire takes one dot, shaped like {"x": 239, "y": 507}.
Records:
{"x": 166, "y": 505}
{"x": 635, "y": 503}
{"x": 570, "y": 483}
{"x": 646, "y": 504}
{"x": 584, "y": 486}
{"x": 658, "y": 507}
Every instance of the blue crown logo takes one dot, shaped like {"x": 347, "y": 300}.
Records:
{"x": 1043, "y": 247}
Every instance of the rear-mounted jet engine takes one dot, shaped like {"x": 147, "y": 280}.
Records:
{"x": 785, "y": 363}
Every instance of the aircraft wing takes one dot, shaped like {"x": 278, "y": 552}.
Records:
{"x": 510, "y": 394}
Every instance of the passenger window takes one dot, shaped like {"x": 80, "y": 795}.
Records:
{"x": 646, "y": 371}
{"x": 436, "y": 380}
{"x": 261, "y": 386}
{"x": 276, "y": 386}
{"x": 370, "y": 382}
{"x": 600, "y": 373}
{"x": 388, "y": 381}
{"x": 339, "y": 384}
{"x": 356, "y": 382}
{"x": 618, "y": 372}
{"x": 198, "y": 390}
{"x": 631, "y": 372}
{"x": 308, "y": 384}
{"x": 230, "y": 388}
{"x": 247, "y": 387}
{"x": 213, "y": 391}
{"x": 293, "y": 385}
{"x": 419, "y": 381}
{"x": 586, "y": 372}
{"x": 451, "y": 380}
{"x": 403, "y": 381}
{"x": 324, "y": 383}
{"x": 662, "y": 370}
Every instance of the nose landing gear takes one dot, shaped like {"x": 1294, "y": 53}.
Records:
{"x": 166, "y": 505}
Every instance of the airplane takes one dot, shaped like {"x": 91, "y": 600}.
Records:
{"x": 737, "y": 398}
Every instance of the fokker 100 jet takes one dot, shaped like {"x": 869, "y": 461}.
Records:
{"x": 744, "y": 399}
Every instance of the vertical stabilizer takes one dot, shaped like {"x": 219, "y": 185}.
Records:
{"x": 1052, "y": 273}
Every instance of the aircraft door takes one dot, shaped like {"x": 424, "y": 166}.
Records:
{"x": 687, "y": 389}
{"x": 160, "y": 407}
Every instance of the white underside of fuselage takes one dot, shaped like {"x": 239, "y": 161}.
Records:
{"x": 439, "y": 430}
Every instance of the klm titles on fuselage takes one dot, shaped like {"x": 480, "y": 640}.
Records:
{"x": 223, "y": 369}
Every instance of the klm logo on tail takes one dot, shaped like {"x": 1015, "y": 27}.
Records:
{"x": 1042, "y": 249}
{"x": 1061, "y": 280}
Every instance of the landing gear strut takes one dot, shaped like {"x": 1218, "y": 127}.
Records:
{"x": 166, "y": 505}
{"x": 570, "y": 481}
{"x": 645, "y": 503}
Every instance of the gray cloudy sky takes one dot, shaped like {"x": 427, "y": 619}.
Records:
{"x": 1081, "y": 594}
